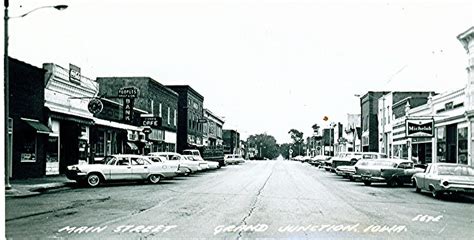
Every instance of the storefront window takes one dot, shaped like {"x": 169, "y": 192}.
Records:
{"x": 441, "y": 148}
{"x": 462, "y": 145}
{"x": 28, "y": 151}
{"x": 52, "y": 158}
{"x": 99, "y": 145}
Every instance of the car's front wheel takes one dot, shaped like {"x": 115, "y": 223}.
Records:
{"x": 93, "y": 180}
{"x": 154, "y": 178}
{"x": 417, "y": 189}
{"x": 435, "y": 194}
{"x": 367, "y": 183}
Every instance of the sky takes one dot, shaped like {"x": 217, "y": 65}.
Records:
{"x": 266, "y": 66}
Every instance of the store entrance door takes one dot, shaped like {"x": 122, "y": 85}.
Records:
{"x": 451, "y": 143}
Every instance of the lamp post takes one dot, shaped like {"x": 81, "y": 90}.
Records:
{"x": 8, "y": 159}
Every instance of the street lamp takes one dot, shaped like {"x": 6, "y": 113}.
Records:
{"x": 8, "y": 159}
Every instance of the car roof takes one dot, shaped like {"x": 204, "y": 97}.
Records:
{"x": 450, "y": 164}
{"x": 164, "y": 153}
{"x": 127, "y": 155}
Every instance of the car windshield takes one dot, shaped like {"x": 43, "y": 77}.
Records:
{"x": 110, "y": 160}
{"x": 456, "y": 170}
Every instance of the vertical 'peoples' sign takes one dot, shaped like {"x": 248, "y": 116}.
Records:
{"x": 128, "y": 94}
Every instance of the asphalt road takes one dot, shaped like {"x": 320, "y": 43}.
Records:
{"x": 258, "y": 199}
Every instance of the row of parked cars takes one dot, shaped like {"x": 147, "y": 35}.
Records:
{"x": 152, "y": 167}
{"x": 372, "y": 167}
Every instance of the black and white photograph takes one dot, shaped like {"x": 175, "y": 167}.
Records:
{"x": 238, "y": 119}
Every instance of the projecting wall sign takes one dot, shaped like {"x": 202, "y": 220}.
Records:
{"x": 419, "y": 127}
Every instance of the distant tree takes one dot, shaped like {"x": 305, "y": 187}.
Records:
{"x": 285, "y": 150}
{"x": 298, "y": 140}
{"x": 265, "y": 144}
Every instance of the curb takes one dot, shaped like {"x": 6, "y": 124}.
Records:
{"x": 36, "y": 190}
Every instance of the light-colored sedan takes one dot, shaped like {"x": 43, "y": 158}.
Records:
{"x": 122, "y": 167}
{"x": 186, "y": 166}
{"x": 203, "y": 163}
{"x": 233, "y": 159}
{"x": 440, "y": 178}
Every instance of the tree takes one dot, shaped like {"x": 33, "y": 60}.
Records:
{"x": 265, "y": 144}
{"x": 298, "y": 139}
{"x": 285, "y": 150}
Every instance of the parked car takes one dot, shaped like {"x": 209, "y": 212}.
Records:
{"x": 318, "y": 159}
{"x": 349, "y": 171}
{"x": 122, "y": 167}
{"x": 186, "y": 166}
{"x": 233, "y": 159}
{"x": 351, "y": 158}
{"x": 391, "y": 171}
{"x": 327, "y": 164}
{"x": 196, "y": 155}
{"x": 441, "y": 178}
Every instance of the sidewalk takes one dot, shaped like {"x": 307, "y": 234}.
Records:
{"x": 35, "y": 186}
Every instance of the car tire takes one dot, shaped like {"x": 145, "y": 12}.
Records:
{"x": 351, "y": 179}
{"x": 392, "y": 182}
{"x": 154, "y": 178}
{"x": 93, "y": 180}
{"x": 435, "y": 194}
{"x": 417, "y": 189}
{"x": 367, "y": 183}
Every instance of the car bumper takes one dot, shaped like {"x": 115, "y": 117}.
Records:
{"x": 373, "y": 179}
{"x": 75, "y": 175}
{"x": 458, "y": 189}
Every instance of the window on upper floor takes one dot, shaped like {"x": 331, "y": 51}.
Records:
{"x": 169, "y": 116}
{"x": 175, "y": 118}
{"x": 159, "y": 109}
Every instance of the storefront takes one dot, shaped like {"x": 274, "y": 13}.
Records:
{"x": 109, "y": 137}
{"x": 66, "y": 96}
{"x": 68, "y": 142}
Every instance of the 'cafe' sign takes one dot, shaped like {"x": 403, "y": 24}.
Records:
{"x": 419, "y": 127}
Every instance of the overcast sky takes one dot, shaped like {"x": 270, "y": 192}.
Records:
{"x": 267, "y": 66}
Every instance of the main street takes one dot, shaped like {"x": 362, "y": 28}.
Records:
{"x": 253, "y": 200}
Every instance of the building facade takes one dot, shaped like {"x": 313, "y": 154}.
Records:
{"x": 231, "y": 141}
{"x": 155, "y": 108}
{"x": 66, "y": 96}
{"x": 390, "y": 107}
{"x": 190, "y": 117}
{"x": 369, "y": 121}
{"x": 29, "y": 138}
{"x": 112, "y": 135}
{"x": 212, "y": 129}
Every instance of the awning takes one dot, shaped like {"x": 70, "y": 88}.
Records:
{"x": 133, "y": 146}
{"x": 37, "y": 125}
{"x": 118, "y": 125}
{"x": 72, "y": 118}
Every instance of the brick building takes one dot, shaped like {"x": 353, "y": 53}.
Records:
{"x": 26, "y": 109}
{"x": 231, "y": 141}
{"x": 154, "y": 101}
{"x": 190, "y": 117}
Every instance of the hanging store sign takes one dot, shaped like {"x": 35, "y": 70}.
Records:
{"x": 74, "y": 74}
{"x": 95, "y": 106}
{"x": 128, "y": 109}
{"x": 151, "y": 121}
{"x": 128, "y": 92}
{"x": 419, "y": 127}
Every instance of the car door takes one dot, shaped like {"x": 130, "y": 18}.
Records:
{"x": 405, "y": 171}
{"x": 422, "y": 180}
{"x": 122, "y": 169}
{"x": 140, "y": 168}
